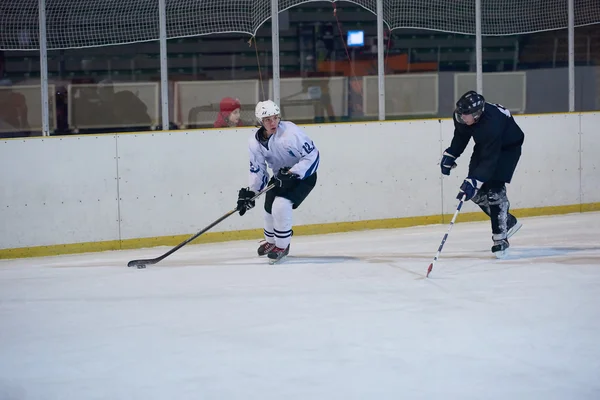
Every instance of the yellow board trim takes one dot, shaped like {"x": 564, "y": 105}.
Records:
{"x": 316, "y": 229}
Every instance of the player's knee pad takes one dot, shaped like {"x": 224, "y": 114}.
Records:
{"x": 282, "y": 221}
{"x": 282, "y": 207}
{"x": 497, "y": 196}
{"x": 481, "y": 198}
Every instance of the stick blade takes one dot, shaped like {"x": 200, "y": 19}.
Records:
{"x": 429, "y": 270}
{"x": 140, "y": 263}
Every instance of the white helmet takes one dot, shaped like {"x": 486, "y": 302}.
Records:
{"x": 265, "y": 109}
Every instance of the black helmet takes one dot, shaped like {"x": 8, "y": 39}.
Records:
{"x": 471, "y": 103}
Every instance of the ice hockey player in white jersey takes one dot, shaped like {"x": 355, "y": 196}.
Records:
{"x": 294, "y": 160}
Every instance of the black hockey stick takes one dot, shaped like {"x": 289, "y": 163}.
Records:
{"x": 462, "y": 200}
{"x": 140, "y": 264}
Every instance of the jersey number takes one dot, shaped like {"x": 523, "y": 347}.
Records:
{"x": 308, "y": 147}
{"x": 502, "y": 109}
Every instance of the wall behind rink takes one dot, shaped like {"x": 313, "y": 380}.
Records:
{"x": 84, "y": 193}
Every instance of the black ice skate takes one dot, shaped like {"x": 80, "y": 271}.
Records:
{"x": 513, "y": 226}
{"x": 500, "y": 246}
{"x": 264, "y": 248}
{"x": 277, "y": 254}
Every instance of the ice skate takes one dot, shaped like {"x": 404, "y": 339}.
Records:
{"x": 513, "y": 226}
{"x": 500, "y": 247}
{"x": 277, "y": 254}
{"x": 264, "y": 248}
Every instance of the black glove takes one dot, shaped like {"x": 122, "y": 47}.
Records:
{"x": 469, "y": 189}
{"x": 245, "y": 201}
{"x": 285, "y": 179}
{"x": 447, "y": 163}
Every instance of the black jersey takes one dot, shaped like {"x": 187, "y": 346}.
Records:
{"x": 498, "y": 140}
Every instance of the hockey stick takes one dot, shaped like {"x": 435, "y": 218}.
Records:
{"x": 140, "y": 264}
{"x": 462, "y": 200}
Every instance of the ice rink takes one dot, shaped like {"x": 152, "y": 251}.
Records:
{"x": 347, "y": 316}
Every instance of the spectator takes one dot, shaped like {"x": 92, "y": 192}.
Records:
{"x": 123, "y": 109}
{"x": 229, "y": 114}
{"x": 61, "y": 100}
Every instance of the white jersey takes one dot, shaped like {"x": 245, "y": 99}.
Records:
{"x": 289, "y": 147}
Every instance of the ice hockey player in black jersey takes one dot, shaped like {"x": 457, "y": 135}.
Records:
{"x": 498, "y": 140}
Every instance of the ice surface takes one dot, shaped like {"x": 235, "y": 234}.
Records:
{"x": 348, "y": 316}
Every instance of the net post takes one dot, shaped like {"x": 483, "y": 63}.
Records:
{"x": 44, "y": 69}
{"x": 571, "y": 30}
{"x": 275, "y": 49}
{"x": 164, "y": 70}
{"x": 478, "y": 48}
{"x": 380, "y": 61}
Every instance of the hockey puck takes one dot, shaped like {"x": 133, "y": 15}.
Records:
{"x": 141, "y": 266}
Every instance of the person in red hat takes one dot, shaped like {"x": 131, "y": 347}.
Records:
{"x": 229, "y": 114}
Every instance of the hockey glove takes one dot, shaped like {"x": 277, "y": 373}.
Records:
{"x": 285, "y": 179}
{"x": 469, "y": 189}
{"x": 447, "y": 163}
{"x": 245, "y": 201}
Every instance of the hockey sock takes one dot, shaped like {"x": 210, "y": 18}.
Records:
{"x": 268, "y": 228}
{"x": 282, "y": 222}
{"x": 499, "y": 211}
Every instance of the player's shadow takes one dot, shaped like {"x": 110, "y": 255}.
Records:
{"x": 299, "y": 259}
{"x": 525, "y": 253}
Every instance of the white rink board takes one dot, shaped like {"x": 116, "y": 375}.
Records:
{"x": 451, "y": 184}
{"x": 64, "y": 190}
{"x": 369, "y": 171}
{"x": 58, "y": 191}
{"x": 590, "y": 158}
{"x": 175, "y": 183}
{"x": 547, "y": 173}
{"x": 174, "y": 187}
